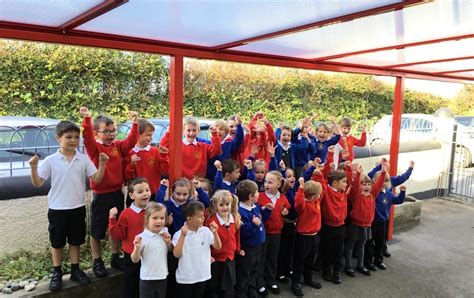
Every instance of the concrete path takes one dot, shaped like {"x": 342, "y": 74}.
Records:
{"x": 434, "y": 259}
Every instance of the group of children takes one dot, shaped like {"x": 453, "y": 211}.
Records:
{"x": 254, "y": 207}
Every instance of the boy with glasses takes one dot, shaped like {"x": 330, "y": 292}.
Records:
{"x": 100, "y": 137}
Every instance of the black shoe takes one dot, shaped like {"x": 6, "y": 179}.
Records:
{"x": 327, "y": 276}
{"x": 350, "y": 272}
{"x": 297, "y": 289}
{"x": 99, "y": 268}
{"x": 262, "y": 293}
{"x": 80, "y": 277}
{"x": 56, "y": 281}
{"x": 283, "y": 279}
{"x": 363, "y": 270}
{"x": 381, "y": 266}
{"x": 116, "y": 262}
{"x": 274, "y": 289}
{"x": 337, "y": 277}
{"x": 371, "y": 267}
{"x": 386, "y": 254}
{"x": 312, "y": 283}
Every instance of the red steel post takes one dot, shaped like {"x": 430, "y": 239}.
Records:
{"x": 176, "y": 116}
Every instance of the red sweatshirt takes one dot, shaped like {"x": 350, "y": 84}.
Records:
{"x": 113, "y": 176}
{"x": 152, "y": 165}
{"x": 129, "y": 225}
{"x": 309, "y": 214}
{"x": 351, "y": 142}
{"x": 195, "y": 156}
{"x": 363, "y": 207}
{"x": 333, "y": 203}
{"x": 265, "y": 138}
{"x": 274, "y": 223}
{"x": 230, "y": 239}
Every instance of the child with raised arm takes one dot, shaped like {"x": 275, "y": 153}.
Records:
{"x": 68, "y": 170}
{"x": 272, "y": 198}
{"x": 362, "y": 198}
{"x": 262, "y": 136}
{"x": 224, "y": 213}
{"x": 227, "y": 175}
{"x": 373, "y": 257}
{"x": 323, "y": 140}
{"x": 229, "y": 144}
{"x": 145, "y": 160}
{"x": 151, "y": 249}
{"x": 128, "y": 225}
{"x": 100, "y": 137}
{"x": 181, "y": 193}
{"x": 334, "y": 212}
{"x": 307, "y": 205}
{"x": 252, "y": 236}
{"x": 195, "y": 154}
{"x": 192, "y": 246}
{"x": 285, "y": 150}
{"x": 349, "y": 141}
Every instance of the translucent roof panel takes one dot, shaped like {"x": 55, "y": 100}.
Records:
{"x": 443, "y": 18}
{"x": 443, "y": 66}
{"x": 442, "y": 50}
{"x": 216, "y": 22}
{"x": 44, "y": 12}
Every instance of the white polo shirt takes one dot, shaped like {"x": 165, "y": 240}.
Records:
{"x": 194, "y": 265}
{"x": 154, "y": 255}
{"x": 68, "y": 179}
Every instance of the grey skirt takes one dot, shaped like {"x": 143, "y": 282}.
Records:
{"x": 355, "y": 232}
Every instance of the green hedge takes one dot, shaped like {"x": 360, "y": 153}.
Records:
{"x": 53, "y": 81}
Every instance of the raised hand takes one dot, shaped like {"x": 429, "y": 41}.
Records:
{"x": 113, "y": 212}
{"x": 184, "y": 229}
{"x": 218, "y": 165}
{"x": 403, "y": 188}
{"x": 167, "y": 237}
{"x": 253, "y": 149}
{"x": 237, "y": 120}
{"x": 412, "y": 164}
{"x": 256, "y": 221}
{"x": 165, "y": 182}
{"x": 248, "y": 164}
{"x": 84, "y": 111}
{"x": 282, "y": 165}
{"x": 103, "y": 158}
{"x": 213, "y": 226}
{"x": 34, "y": 161}
{"x": 137, "y": 242}
{"x": 301, "y": 182}
{"x": 163, "y": 149}
{"x": 196, "y": 183}
{"x": 134, "y": 116}
{"x": 271, "y": 149}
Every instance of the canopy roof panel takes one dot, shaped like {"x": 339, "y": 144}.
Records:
{"x": 411, "y": 38}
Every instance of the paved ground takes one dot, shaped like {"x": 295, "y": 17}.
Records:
{"x": 434, "y": 259}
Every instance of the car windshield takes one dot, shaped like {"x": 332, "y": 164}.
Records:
{"x": 19, "y": 144}
{"x": 466, "y": 121}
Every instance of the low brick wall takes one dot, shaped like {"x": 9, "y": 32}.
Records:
{"x": 407, "y": 214}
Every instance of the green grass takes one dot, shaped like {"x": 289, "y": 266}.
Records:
{"x": 23, "y": 264}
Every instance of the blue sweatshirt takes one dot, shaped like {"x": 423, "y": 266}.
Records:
{"x": 250, "y": 234}
{"x": 177, "y": 210}
{"x": 228, "y": 148}
{"x": 304, "y": 149}
{"x": 384, "y": 201}
{"x": 321, "y": 147}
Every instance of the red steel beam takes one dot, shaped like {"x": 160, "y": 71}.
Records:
{"x": 427, "y": 62}
{"x": 176, "y": 116}
{"x": 393, "y": 47}
{"x": 395, "y": 140}
{"x": 81, "y": 38}
{"x": 92, "y": 13}
{"x": 455, "y": 71}
{"x": 339, "y": 19}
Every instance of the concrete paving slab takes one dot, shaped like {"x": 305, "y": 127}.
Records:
{"x": 434, "y": 259}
